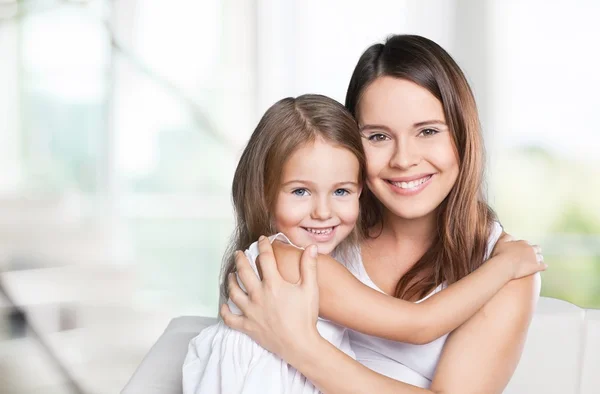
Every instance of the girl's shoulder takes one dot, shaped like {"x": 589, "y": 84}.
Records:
{"x": 281, "y": 237}
{"x": 287, "y": 256}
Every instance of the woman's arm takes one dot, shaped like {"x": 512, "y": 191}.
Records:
{"x": 478, "y": 358}
{"x": 333, "y": 371}
{"x": 481, "y": 355}
{"x": 347, "y": 301}
{"x": 281, "y": 317}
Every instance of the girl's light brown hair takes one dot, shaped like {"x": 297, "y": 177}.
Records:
{"x": 464, "y": 218}
{"x": 288, "y": 125}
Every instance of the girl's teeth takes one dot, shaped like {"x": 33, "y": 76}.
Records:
{"x": 320, "y": 231}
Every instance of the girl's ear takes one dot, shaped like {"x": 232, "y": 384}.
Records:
{"x": 360, "y": 191}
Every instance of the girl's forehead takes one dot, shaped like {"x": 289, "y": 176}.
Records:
{"x": 321, "y": 159}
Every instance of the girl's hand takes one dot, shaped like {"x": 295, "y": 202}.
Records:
{"x": 278, "y": 315}
{"x": 525, "y": 259}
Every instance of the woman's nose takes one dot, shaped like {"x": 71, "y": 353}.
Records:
{"x": 406, "y": 154}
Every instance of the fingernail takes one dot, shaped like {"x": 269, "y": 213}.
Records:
{"x": 313, "y": 251}
{"x": 261, "y": 238}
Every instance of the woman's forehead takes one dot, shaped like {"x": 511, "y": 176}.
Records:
{"x": 398, "y": 103}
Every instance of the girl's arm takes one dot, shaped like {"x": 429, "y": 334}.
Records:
{"x": 347, "y": 301}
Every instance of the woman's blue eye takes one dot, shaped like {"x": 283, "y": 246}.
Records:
{"x": 377, "y": 137}
{"x": 341, "y": 192}
{"x": 300, "y": 192}
{"x": 428, "y": 132}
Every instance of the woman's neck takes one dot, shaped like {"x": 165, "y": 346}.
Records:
{"x": 396, "y": 249}
{"x": 420, "y": 230}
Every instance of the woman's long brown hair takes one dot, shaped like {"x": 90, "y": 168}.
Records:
{"x": 288, "y": 125}
{"x": 464, "y": 218}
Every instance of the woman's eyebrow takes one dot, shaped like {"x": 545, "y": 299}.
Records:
{"x": 386, "y": 128}
{"x": 429, "y": 122}
{"x": 373, "y": 127}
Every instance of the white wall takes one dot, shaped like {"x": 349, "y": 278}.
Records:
{"x": 312, "y": 46}
{"x": 10, "y": 143}
{"x": 544, "y": 77}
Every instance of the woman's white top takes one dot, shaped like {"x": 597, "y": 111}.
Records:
{"x": 413, "y": 364}
{"x": 224, "y": 361}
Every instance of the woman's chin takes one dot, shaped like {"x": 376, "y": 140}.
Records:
{"x": 412, "y": 212}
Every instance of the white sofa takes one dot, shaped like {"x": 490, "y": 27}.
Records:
{"x": 561, "y": 356}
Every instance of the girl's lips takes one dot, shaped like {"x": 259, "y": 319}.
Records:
{"x": 405, "y": 189}
{"x": 322, "y": 237}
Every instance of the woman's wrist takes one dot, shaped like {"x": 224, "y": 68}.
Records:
{"x": 304, "y": 350}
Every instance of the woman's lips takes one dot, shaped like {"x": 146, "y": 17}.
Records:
{"x": 409, "y": 188}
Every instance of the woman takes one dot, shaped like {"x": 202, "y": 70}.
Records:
{"x": 427, "y": 226}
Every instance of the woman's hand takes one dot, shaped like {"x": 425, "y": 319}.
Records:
{"x": 278, "y": 315}
{"x": 525, "y": 259}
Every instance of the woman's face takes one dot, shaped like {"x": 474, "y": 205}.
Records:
{"x": 411, "y": 160}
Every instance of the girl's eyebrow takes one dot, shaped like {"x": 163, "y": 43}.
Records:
{"x": 297, "y": 181}
{"x": 311, "y": 183}
{"x": 346, "y": 183}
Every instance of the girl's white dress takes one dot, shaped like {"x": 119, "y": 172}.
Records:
{"x": 224, "y": 361}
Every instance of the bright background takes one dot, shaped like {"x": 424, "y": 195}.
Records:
{"x": 122, "y": 121}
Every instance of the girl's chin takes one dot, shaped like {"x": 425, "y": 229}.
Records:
{"x": 325, "y": 249}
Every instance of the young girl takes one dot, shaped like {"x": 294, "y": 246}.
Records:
{"x": 300, "y": 178}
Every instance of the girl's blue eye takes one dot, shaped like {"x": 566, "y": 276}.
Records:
{"x": 428, "y": 132}
{"x": 300, "y": 192}
{"x": 377, "y": 137}
{"x": 341, "y": 192}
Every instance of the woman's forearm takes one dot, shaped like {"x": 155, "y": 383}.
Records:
{"x": 333, "y": 371}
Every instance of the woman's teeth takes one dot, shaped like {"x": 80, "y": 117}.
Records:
{"x": 411, "y": 184}
{"x": 319, "y": 231}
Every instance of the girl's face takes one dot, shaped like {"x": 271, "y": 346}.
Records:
{"x": 411, "y": 160}
{"x": 317, "y": 202}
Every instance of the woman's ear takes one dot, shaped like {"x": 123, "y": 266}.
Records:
{"x": 360, "y": 190}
